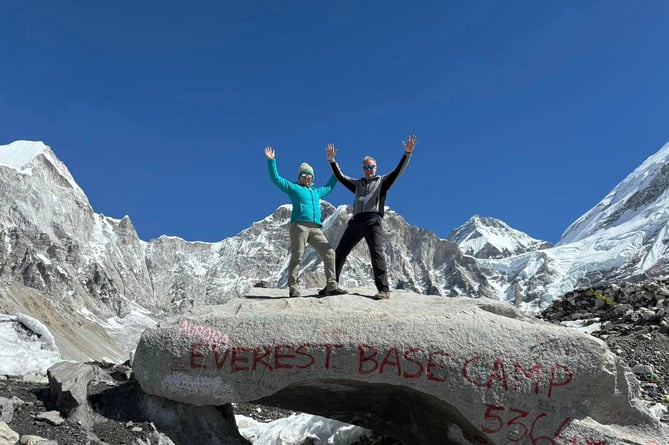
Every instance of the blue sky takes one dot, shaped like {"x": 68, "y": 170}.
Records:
{"x": 526, "y": 111}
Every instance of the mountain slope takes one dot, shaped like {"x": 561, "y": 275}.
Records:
{"x": 639, "y": 202}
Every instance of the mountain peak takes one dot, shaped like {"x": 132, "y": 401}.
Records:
{"x": 18, "y": 154}
{"x": 486, "y": 237}
{"x": 22, "y": 156}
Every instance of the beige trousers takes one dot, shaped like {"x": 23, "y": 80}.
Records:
{"x": 302, "y": 233}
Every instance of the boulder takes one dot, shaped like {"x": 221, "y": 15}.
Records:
{"x": 68, "y": 383}
{"x": 421, "y": 369}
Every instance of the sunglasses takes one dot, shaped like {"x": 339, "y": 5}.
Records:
{"x": 369, "y": 167}
{"x": 306, "y": 175}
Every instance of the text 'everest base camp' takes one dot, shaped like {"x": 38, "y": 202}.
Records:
{"x": 490, "y": 337}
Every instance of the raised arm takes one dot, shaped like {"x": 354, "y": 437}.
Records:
{"x": 390, "y": 178}
{"x": 274, "y": 176}
{"x": 347, "y": 182}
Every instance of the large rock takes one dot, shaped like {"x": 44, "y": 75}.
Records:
{"x": 422, "y": 369}
{"x": 68, "y": 383}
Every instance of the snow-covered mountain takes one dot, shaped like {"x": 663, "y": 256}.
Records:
{"x": 622, "y": 238}
{"x": 637, "y": 204}
{"x": 484, "y": 237}
{"x": 70, "y": 267}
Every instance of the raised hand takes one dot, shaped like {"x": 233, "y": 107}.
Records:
{"x": 269, "y": 152}
{"x": 410, "y": 144}
{"x": 331, "y": 152}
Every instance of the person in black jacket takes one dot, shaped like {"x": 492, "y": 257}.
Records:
{"x": 368, "y": 206}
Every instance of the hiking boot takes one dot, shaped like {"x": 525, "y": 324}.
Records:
{"x": 294, "y": 293}
{"x": 382, "y": 295}
{"x": 335, "y": 291}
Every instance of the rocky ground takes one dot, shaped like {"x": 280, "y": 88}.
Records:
{"x": 646, "y": 351}
{"x": 30, "y": 423}
{"x": 35, "y": 414}
{"x": 633, "y": 323}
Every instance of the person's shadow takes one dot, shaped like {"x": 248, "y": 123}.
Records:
{"x": 268, "y": 297}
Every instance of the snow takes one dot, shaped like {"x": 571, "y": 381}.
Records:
{"x": 19, "y": 154}
{"x": 126, "y": 330}
{"x": 297, "y": 429}
{"x": 27, "y": 347}
{"x": 584, "y": 326}
{"x": 657, "y": 251}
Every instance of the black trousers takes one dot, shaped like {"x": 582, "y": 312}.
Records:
{"x": 370, "y": 229}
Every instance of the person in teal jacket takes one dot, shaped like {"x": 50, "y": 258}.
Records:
{"x": 305, "y": 223}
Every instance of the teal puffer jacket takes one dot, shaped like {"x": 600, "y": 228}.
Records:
{"x": 305, "y": 200}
